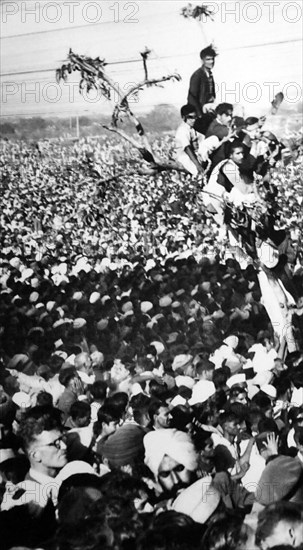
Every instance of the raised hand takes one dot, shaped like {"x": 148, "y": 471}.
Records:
{"x": 271, "y": 443}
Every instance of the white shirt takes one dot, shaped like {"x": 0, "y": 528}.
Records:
{"x": 256, "y": 466}
{"x": 185, "y": 136}
{"x": 87, "y": 379}
{"x": 94, "y": 407}
{"x": 85, "y": 434}
{"x": 38, "y": 489}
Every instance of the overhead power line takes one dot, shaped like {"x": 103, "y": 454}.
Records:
{"x": 139, "y": 60}
{"x": 86, "y": 25}
{"x": 53, "y": 68}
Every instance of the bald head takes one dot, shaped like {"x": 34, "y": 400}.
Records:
{"x": 83, "y": 362}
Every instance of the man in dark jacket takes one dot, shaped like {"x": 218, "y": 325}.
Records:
{"x": 202, "y": 93}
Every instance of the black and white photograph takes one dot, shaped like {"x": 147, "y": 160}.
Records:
{"x": 151, "y": 275}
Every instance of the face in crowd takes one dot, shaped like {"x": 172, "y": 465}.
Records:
{"x": 191, "y": 119}
{"x": 226, "y": 118}
{"x": 173, "y": 476}
{"x": 237, "y": 156}
{"x": 208, "y": 62}
{"x": 162, "y": 418}
{"x": 48, "y": 450}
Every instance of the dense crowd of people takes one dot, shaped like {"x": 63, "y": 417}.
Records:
{"x": 145, "y": 402}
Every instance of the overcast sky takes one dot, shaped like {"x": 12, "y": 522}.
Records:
{"x": 259, "y": 44}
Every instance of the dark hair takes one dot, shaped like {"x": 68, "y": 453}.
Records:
{"x": 44, "y": 399}
{"x": 154, "y": 408}
{"x": 209, "y": 51}
{"x": 231, "y": 146}
{"x": 282, "y": 386}
{"x": 272, "y": 515}
{"x": 157, "y": 390}
{"x": 66, "y": 375}
{"x": 140, "y": 400}
{"x": 251, "y": 120}
{"x": 268, "y": 425}
{"x": 78, "y": 480}
{"x": 118, "y": 482}
{"x": 223, "y": 108}
{"x": 55, "y": 363}
{"x": 228, "y": 416}
{"x": 203, "y": 366}
{"x": 239, "y": 409}
{"x": 99, "y": 389}
{"x": 225, "y": 533}
{"x": 108, "y": 413}
{"x": 200, "y": 438}
{"x": 139, "y": 404}
{"x": 119, "y": 400}
{"x": 236, "y": 390}
{"x": 181, "y": 417}
{"x": 186, "y": 110}
{"x": 298, "y": 435}
{"x": 171, "y": 530}
{"x": 220, "y": 378}
{"x": 82, "y": 522}
{"x": 37, "y": 420}
{"x": 255, "y": 415}
{"x": 79, "y": 409}
{"x": 295, "y": 414}
{"x": 262, "y": 401}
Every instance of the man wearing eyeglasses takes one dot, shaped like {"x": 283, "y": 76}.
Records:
{"x": 42, "y": 441}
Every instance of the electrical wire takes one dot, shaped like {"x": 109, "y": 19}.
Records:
{"x": 157, "y": 58}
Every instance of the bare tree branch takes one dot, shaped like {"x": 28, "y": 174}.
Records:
{"x": 139, "y": 87}
{"x": 146, "y": 154}
{"x": 93, "y": 76}
{"x": 145, "y": 55}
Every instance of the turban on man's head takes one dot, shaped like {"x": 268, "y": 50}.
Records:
{"x": 171, "y": 442}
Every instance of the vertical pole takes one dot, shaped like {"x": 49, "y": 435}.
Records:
{"x": 77, "y": 127}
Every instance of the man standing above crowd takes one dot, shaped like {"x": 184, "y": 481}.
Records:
{"x": 202, "y": 93}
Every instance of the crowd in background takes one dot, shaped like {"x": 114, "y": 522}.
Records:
{"x": 143, "y": 403}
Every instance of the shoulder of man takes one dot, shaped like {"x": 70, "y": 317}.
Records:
{"x": 199, "y": 73}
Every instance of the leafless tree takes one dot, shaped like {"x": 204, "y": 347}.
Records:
{"x": 94, "y": 76}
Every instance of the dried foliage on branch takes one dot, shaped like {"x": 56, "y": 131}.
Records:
{"x": 201, "y": 13}
{"x": 94, "y": 76}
